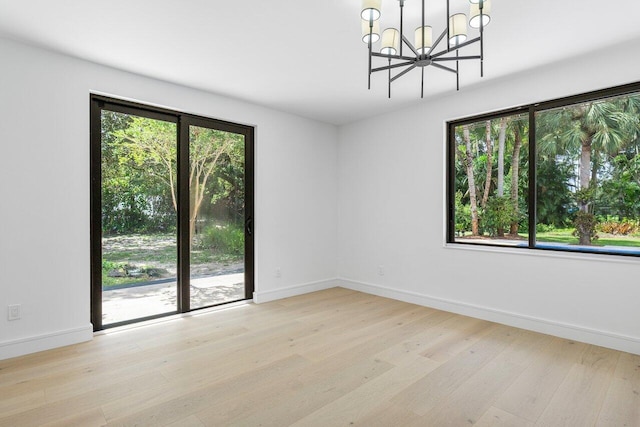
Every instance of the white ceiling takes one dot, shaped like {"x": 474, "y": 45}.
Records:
{"x": 301, "y": 56}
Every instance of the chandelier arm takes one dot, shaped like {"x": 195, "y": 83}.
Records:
{"x": 481, "y": 39}
{"x": 442, "y": 67}
{"x": 401, "y": 33}
{"x": 461, "y": 45}
{"x": 397, "y": 76}
{"x": 382, "y": 55}
{"x": 456, "y": 58}
{"x": 438, "y": 40}
{"x": 447, "y": 29}
{"x": 388, "y": 67}
{"x": 370, "y": 49}
{"x": 457, "y": 71}
{"x": 422, "y": 45}
{"x": 389, "y": 78}
{"x": 413, "y": 49}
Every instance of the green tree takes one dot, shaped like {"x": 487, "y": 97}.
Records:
{"x": 152, "y": 145}
{"x": 555, "y": 201}
{"x": 502, "y": 137}
{"x": 517, "y": 128}
{"x": 468, "y": 163}
{"x": 207, "y": 148}
{"x": 133, "y": 198}
{"x": 489, "y": 167}
{"x": 499, "y": 213}
{"x": 594, "y": 129}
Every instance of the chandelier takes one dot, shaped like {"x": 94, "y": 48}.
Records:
{"x": 424, "y": 51}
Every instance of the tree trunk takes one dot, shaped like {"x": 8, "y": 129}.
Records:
{"x": 201, "y": 171}
{"x": 584, "y": 237}
{"x": 194, "y": 209}
{"x": 585, "y": 172}
{"x": 594, "y": 168}
{"x": 487, "y": 183}
{"x": 501, "y": 139}
{"x": 471, "y": 181}
{"x": 515, "y": 171}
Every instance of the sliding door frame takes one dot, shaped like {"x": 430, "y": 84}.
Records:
{"x": 183, "y": 122}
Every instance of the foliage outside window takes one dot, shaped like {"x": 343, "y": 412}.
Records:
{"x": 562, "y": 175}
{"x": 491, "y": 180}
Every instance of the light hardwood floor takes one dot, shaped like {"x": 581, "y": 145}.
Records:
{"x": 330, "y": 358}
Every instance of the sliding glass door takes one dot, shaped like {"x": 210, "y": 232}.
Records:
{"x": 138, "y": 160}
{"x": 216, "y": 215}
{"x": 171, "y": 214}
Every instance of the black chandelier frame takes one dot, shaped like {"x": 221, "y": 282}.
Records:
{"x": 428, "y": 58}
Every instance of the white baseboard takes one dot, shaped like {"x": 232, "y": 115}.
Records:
{"x": 34, "y": 344}
{"x": 291, "y": 291}
{"x": 9, "y": 349}
{"x": 550, "y": 327}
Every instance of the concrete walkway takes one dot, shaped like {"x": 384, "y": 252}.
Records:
{"x": 140, "y": 301}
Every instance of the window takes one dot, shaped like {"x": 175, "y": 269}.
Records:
{"x": 559, "y": 175}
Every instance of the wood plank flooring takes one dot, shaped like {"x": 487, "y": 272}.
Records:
{"x": 330, "y": 358}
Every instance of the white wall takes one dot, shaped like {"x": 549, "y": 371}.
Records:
{"x": 322, "y": 209}
{"x": 391, "y": 214}
{"x": 44, "y": 190}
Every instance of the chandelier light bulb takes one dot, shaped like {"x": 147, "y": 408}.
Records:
{"x": 390, "y": 41}
{"x": 371, "y": 9}
{"x": 366, "y": 31}
{"x": 457, "y": 29}
{"x": 428, "y": 39}
{"x": 474, "y": 21}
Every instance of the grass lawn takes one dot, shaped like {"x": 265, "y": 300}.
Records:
{"x": 566, "y": 237}
{"x": 162, "y": 255}
{"x": 151, "y": 251}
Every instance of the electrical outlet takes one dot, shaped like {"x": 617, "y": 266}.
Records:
{"x": 13, "y": 312}
{"x": 381, "y": 270}
{"x": 278, "y": 273}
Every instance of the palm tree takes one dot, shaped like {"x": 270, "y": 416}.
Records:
{"x": 519, "y": 128}
{"x": 598, "y": 127}
{"x": 502, "y": 136}
{"x": 468, "y": 163}
{"x": 489, "y": 147}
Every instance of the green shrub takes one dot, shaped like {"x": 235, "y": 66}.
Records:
{"x": 463, "y": 215}
{"x": 110, "y": 265}
{"x": 228, "y": 239}
{"x": 623, "y": 228}
{"x": 545, "y": 228}
{"x": 498, "y": 215}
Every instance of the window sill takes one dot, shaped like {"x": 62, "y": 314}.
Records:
{"x": 545, "y": 252}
